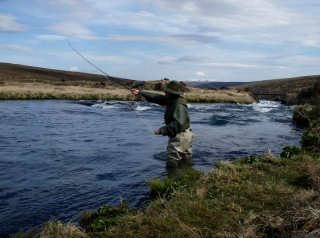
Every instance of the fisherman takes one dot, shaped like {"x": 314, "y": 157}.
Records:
{"x": 176, "y": 125}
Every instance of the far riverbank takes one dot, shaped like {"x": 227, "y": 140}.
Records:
{"x": 36, "y": 90}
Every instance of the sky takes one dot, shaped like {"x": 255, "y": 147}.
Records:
{"x": 215, "y": 40}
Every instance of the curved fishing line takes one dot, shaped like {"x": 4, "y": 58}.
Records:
{"x": 144, "y": 120}
{"x": 85, "y": 59}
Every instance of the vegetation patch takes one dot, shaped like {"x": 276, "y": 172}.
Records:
{"x": 103, "y": 218}
{"x": 304, "y": 114}
{"x": 290, "y": 151}
{"x": 257, "y": 196}
{"x": 165, "y": 188}
{"x": 54, "y": 229}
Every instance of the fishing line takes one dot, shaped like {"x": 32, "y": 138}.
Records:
{"x": 75, "y": 50}
{"x": 144, "y": 120}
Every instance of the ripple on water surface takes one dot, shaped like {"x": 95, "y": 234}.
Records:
{"x": 61, "y": 158}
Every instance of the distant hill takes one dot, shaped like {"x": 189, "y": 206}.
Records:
{"x": 213, "y": 85}
{"x": 22, "y": 73}
{"x": 10, "y": 73}
{"x": 20, "y": 82}
{"x": 285, "y": 90}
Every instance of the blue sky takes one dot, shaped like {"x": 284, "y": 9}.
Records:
{"x": 218, "y": 40}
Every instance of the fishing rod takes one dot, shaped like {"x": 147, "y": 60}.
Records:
{"x": 144, "y": 120}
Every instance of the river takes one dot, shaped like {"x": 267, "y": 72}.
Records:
{"x": 61, "y": 158}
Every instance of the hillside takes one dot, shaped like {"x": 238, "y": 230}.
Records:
{"x": 214, "y": 85}
{"x": 28, "y": 74}
{"x": 285, "y": 90}
{"x": 27, "y": 82}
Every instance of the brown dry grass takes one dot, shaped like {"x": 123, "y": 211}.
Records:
{"x": 264, "y": 197}
{"x": 26, "y": 82}
{"x": 48, "y": 91}
{"x": 36, "y": 90}
{"x": 57, "y": 229}
{"x": 232, "y": 96}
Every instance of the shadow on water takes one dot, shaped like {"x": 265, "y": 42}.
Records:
{"x": 161, "y": 156}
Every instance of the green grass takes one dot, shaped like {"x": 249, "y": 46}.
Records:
{"x": 257, "y": 196}
{"x": 230, "y": 200}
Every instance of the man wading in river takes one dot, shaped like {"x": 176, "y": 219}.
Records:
{"x": 176, "y": 125}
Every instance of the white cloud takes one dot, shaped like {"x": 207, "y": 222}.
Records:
{"x": 109, "y": 58}
{"x": 8, "y": 24}
{"x": 92, "y": 57}
{"x": 15, "y": 47}
{"x": 73, "y": 29}
{"x": 81, "y": 10}
{"x": 298, "y": 60}
{"x": 74, "y": 69}
{"x": 166, "y": 60}
{"x": 195, "y": 21}
{"x": 193, "y": 59}
{"x": 229, "y": 14}
{"x": 202, "y": 79}
{"x": 223, "y": 38}
{"x": 170, "y": 22}
{"x": 235, "y": 65}
{"x": 167, "y": 39}
{"x": 200, "y": 74}
{"x": 204, "y": 61}
{"x": 51, "y": 37}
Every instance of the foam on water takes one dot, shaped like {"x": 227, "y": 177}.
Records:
{"x": 142, "y": 108}
{"x": 119, "y": 105}
{"x": 265, "y": 106}
{"x": 103, "y": 106}
{"x": 202, "y": 107}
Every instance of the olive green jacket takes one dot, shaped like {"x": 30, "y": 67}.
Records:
{"x": 176, "y": 116}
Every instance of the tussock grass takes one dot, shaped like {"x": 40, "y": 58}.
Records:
{"x": 309, "y": 116}
{"x": 38, "y": 90}
{"x": 55, "y": 229}
{"x": 225, "y": 96}
{"x": 241, "y": 199}
{"x": 256, "y": 196}
{"x": 25, "y": 91}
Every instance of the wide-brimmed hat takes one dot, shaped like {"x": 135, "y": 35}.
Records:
{"x": 174, "y": 87}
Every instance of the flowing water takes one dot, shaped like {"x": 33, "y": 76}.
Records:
{"x": 61, "y": 158}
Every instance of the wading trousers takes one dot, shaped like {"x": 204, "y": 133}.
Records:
{"x": 179, "y": 151}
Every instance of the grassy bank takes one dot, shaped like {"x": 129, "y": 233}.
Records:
{"x": 253, "y": 197}
{"x": 21, "y": 82}
{"x": 26, "y": 91}
{"x": 37, "y": 90}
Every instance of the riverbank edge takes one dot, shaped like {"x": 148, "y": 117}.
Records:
{"x": 29, "y": 91}
{"x": 255, "y": 196}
